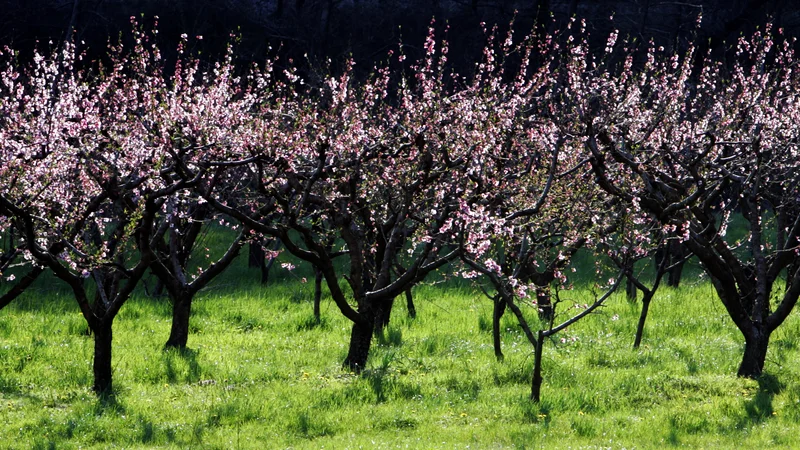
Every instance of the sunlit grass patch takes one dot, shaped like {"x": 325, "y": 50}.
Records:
{"x": 261, "y": 372}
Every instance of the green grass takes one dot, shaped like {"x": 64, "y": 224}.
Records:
{"x": 260, "y": 373}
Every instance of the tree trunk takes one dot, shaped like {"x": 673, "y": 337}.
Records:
{"x": 544, "y": 304}
{"x": 360, "y": 341}
{"x": 102, "y": 358}
{"x": 755, "y": 353}
{"x": 412, "y": 310}
{"x": 497, "y": 314}
{"x": 536, "y": 381}
{"x": 383, "y": 315}
{"x": 317, "y": 293}
{"x": 642, "y": 319}
{"x": 675, "y": 252}
{"x": 675, "y": 273}
{"x": 181, "y": 311}
{"x": 255, "y": 257}
{"x": 265, "y": 272}
{"x": 631, "y": 290}
{"x": 267, "y": 266}
{"x": 158, "y": 290}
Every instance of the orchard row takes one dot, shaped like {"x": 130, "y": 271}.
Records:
{"x": 109, "y": 170}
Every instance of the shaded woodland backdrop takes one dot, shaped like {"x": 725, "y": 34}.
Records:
{"x": 367, "y": 29}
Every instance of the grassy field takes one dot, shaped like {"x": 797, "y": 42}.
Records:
{"x": 261, "y": 374}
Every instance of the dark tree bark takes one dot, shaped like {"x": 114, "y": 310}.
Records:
{"x": 497, "y": 314}
{"x": 537, "y": 340}
{"x": 675, "y": 273}
{"x": 647, "y": 298}
{"x": 158, "y": 289}
{"x": 536, "y": 380}
{"x": 360, "y": 343}
{"x": 642, "y": 320}
{"x": 627, "y": 265}
{"x": 182, "y": 292}
{"x": 412, "y": 310}
{"x": 264, "y": 265}
{"x": 317, "y": 293}
{"x": 630, "y": 290}
{"x": 756, "y": 342}
{"x": 544, "y": 303}
{"x": 170, "y": 261}
{"x": 101, "y": 365}
{"x": 375, "y": 248}
{"x": 676, "y": 258}
{"x": 384, "y": 315}
{"x": 256, "y": 256}
{"x": 181, "y": 312}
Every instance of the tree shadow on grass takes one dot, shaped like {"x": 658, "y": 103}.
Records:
{"x": 174, "y": 372}
{"x": 55, "y": 300}
{"x": 10, "y": 389}
{"x": 760, "y": 408}
{"x": 380, "y": 380}
{"x": 108, "y": 403}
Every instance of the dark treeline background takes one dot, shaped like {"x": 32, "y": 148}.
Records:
{"x": 367, "y": 29}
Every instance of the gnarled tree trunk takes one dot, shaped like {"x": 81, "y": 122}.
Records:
{"x": 317, "y": 294}
{"x": 181, "y": 312}
{"x": 102, "y": 357}
{"x": 383, "y": 315}
{"x": 497, "y": 313}
{"x": 412, "y": 310}
{"x": 642, "y": 320}
{"x": 631, "y": 291}
{"x": 256, "y": 255}
{"x": 756, "y": 342}
{"x": 360, "y": 342}
{"x": 536, "y": 380}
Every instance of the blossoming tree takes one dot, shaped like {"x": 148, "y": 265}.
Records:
{"x": 700, "y": 145}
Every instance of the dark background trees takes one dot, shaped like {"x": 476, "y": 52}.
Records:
{"x": 367, "y": 29}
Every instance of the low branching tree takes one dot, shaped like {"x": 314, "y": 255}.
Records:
{"x": 700, "y": 146}
{"x": 534, "y": 207}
